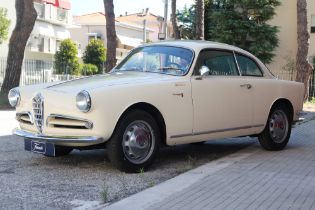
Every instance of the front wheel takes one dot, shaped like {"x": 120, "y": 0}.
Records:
{"x": 277, "y": 132}
{"x": 135, "y": 142}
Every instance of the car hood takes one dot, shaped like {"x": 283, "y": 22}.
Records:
{"x": 116, "y": 78}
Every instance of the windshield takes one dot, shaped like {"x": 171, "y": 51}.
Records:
{"x": 158, "y": 59}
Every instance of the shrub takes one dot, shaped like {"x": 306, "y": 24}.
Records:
{"x": 95, "y": 54}
{"x": 88, "y": 69}
{"x": 66, "y": 60}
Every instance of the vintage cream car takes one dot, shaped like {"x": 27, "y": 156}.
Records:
{"x": 166, "y": 93}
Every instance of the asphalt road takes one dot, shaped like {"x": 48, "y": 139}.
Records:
{"x": 32, "y": 181}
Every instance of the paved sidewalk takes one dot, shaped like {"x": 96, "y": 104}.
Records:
{"x": 8, "y": 122}
{"x": 250, "y": 179}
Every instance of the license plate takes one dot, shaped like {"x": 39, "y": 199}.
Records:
{"x": 38, "y": 147}
{"x": 44, "y": 148}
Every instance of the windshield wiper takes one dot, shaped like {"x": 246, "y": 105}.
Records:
{"x": 169, "y": 68}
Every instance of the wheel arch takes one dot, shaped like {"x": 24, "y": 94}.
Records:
{"x": 153, "y": 111}
{"x": 287, "y": 103}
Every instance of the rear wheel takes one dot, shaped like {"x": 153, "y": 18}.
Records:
{"x": 277, "y": 132}
{"x": 135, "y": 142}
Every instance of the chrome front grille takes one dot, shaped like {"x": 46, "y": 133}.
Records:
{"x": 38, "y": 111}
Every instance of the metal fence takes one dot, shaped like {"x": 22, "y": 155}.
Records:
{"x": 36, "y": 72}
{"x": 312, "y": 86}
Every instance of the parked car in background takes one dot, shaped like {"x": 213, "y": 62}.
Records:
{"x": 164, "y": 93}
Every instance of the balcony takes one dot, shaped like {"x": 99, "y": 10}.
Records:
{"x": 52, "y": 14}
{"x": 35, "y": 44}
{"x": 62, "y": 15}
{"x": 40, "y": 9}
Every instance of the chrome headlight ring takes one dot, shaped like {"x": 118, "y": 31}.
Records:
{"x": 14, "y": 97}
{"x": 83, "y": 101}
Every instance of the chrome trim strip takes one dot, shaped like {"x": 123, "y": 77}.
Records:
{"x": 58, "y": 139}
{"x": 19, "y": 114}
{"x": 70, "y": 118}
{"x": 217, "y": 131}
{"x": 237, "y": 65}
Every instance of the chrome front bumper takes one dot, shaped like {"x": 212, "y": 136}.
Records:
{"x": 60, "y": 140}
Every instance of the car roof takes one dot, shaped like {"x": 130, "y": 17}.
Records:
{"x": 198, "y": 45}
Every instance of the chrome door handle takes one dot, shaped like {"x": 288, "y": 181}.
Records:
{"x": 179, "y": 94}
{"x": 248, "y": 86}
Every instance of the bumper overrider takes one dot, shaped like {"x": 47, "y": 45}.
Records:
{"x": 75, "y": 141}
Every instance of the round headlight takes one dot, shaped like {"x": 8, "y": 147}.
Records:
{"x": 83, "y": 101}
{"x": 14, "y": 97}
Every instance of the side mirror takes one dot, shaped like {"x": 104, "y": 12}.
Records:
{"x": 204, "y": 71}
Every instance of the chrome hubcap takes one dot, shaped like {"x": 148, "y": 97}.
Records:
{"x": 138, "y": 142}
{"x": 278, "y": 126}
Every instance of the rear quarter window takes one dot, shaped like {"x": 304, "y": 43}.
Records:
{"x": 248, "y": 66}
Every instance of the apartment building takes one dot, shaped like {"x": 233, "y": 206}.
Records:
{"x": 154, "y": 22}
{"x": 93, "y": 26}
{"x": 286, "y": 20}
{"x": 53, "y": 18}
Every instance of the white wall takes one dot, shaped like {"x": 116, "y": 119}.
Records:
{"x": 80, "y": 34}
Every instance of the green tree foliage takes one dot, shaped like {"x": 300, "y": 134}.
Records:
{"x": 4, "y": 25}
{"x": 95, "y": 53}
{"x": 187, "y": 22}
{"x": 66, "y": 60}
{"x": 244, "y": 23}
{"x": 88, "y": 69}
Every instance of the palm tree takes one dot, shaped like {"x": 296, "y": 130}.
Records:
{"x": 111, "y": 35}
{"x": 174, "y": 21}
{"x": 303, "y": 67}
{"x": 200, "y": 10}
{"x": 25, "y": 19}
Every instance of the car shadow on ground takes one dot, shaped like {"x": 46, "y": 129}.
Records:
{"x": 183, "y": 157}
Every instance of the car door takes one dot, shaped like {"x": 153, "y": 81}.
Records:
{"x": 262, "y": 98}
{"x": 222, "y": 99}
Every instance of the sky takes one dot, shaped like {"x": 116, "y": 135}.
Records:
{"x": 121, "y": 6}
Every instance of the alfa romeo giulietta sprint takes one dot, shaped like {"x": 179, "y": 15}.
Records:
{"x": 166, "y": 93}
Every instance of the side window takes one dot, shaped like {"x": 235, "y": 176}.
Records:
{"x": 220, "y": 63}
{"x": 248, "y": 67}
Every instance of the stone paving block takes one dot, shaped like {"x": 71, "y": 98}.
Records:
{"x": 264, "y": 180}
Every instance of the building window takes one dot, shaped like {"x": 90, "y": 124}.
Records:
{"x": 58, "y": 42}
{"x": 313, "y": 24}
{"x": 49, "y": 45}
{"x": 94, "y": 36}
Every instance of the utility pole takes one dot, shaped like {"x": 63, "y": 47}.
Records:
{"x": 165, "y": 18}
{"x": 145, "y": 14}
{"x": 144, "y": 31}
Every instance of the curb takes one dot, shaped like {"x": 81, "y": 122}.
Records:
{"x": 146, "y": 198}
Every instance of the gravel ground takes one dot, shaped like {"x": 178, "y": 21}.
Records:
{"x": 32, "y": 181}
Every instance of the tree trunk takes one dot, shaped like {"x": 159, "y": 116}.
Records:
{"x": 200, "y": 34}
{"x": 25, "y": 19}
{"x": 111, "y": 35}
{"x": 303, "y": 67}
{"x": 174, "y": 21}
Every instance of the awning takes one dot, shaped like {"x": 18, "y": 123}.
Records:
{"x": 62, "y": 33}
{"x": 43, "y": 29}
{"x": 50, "y": 1}
{"x": 133, "y": 42}
{"x": 65, "y": 4}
